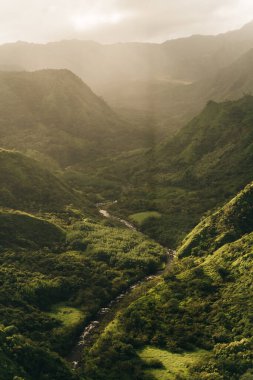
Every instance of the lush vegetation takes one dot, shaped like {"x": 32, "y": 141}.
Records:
{"x": 54, "y": 117}
{"x": 205, "y": 302}
{"x": 58, "y": 266}
{"x": 203, "y": 166}
{"x": 26, "y": 185}
{"x": 60, "y": 262}
{"x": 18, "y": 229}
{"x": 165, "y": 365}
{"x": 48, "y": 295}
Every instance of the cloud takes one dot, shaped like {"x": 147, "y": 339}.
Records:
{"x": 119, "y": 20}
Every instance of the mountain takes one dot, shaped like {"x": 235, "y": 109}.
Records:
{"x": 170, "y": 104}
{"x": 202, "y": 166}
{"x": 201, "y": 68}
{"x": 196, "y": 323}
{"x": 200, "y": 56}
{"x": 62, "y": 265}
{"x": 185, "y": 59}
{"x": 155, "y": 79}
{"x": 221, "y": 228}
{"x": 233, "y": 81}
{"x": 54, "y": 116}
{"x": 216, "y": 146}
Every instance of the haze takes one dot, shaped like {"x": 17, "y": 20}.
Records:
{"x": 119, "y": 20}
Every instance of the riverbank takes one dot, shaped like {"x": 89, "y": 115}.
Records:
{"x": 106, "y": 314}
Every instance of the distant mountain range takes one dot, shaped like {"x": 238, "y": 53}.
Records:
{"x": 185, "y": 59}
{"x": 64, "y": 150}
{"x": 170, "y": 81}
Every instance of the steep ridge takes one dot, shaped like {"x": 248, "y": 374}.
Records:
{"x": 232, "y": 82}
{"x": 205, "y": 55}
{"x": 205, "y": 164}
{"x": 53, "y": 115}
{"x": 171, "y": 104}
{"x": 168, "y": 82}
{"x": 204, "y": 303}
{"x": 215, "y": 145}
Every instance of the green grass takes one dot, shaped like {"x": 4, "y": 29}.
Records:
{"x": 174, "y": 364}
{"x": 142, "y": 217}
{"x": 69, "y": 316}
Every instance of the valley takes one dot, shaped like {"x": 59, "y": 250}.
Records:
{"x": 126, "y": 209}
{"x": 106, "y": 314}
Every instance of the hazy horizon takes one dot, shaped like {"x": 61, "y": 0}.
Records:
{"x": 119, "y": 21}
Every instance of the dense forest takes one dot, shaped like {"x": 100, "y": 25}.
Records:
{"x": 129, "y": 208}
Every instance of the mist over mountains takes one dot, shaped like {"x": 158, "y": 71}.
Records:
{"x": 126, "y": 209}
{"x": 170, "y": 82}
{"x": 186, "y": 59}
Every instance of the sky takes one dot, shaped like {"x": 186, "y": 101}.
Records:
{"x": 110, "y": 21}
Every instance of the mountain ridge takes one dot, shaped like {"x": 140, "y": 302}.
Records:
{"x": 165, "y": 64}
{"x": 53, "y": 113}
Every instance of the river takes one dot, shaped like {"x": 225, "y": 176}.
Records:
{"x": 106, "y": 314}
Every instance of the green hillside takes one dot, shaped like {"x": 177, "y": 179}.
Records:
{"x": 57, "y": 268}
{"x": 23, "y": 230}
{"x": 48, "y": 294}
{"x": 213, "y": 144}
{"x": 53, "y": 116}
{"x": 205, "y": 302}
{"x": 27, "y": 185}
{"x": 205, "y": 164}
{"x": 93, "y": 200}
{"x": 159, "y": 81}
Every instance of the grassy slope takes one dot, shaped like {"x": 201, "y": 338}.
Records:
{"x": 205, "y": 302}
{"x": 141, "y": 217}
{"x": 172, "y": 364}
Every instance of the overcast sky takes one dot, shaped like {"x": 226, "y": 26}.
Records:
{"x": 109, "y": 21}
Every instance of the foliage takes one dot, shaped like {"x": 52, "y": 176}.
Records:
{"x": 204, "y": 165}
{"x": 49, "y": 294}
{"x": 55, "y": 117}
{"x": 27, "y": 185}
{"x": 23, "y": 230}
{"x": 205, "y": 301}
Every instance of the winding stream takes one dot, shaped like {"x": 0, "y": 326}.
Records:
{"x": 106, "y": 314}
{"x": 106, "y": 214}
